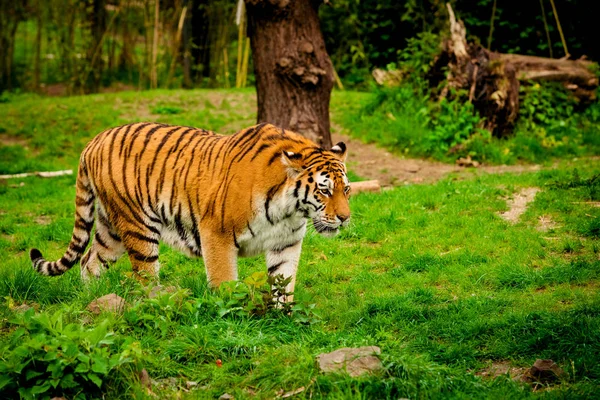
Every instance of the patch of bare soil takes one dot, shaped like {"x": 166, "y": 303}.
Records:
{"x": 9, "y": 140}
{"x": 502, "y": 368}
{"x": 518, "y": 204}
{"x": 43, "y": 220}
{"x": 546, "y": 223}
{"x": 372, "y": 162}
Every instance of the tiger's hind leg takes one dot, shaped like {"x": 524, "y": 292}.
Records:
{"x": 142, "y": 247}
{"x": 106, "y": 249}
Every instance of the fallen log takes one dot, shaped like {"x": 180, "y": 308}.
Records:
{"x": 576, "y": 75}
{"x": 492, "y": 80}
{"x": 43, "y": 174}
{"x": 365, "y": 186}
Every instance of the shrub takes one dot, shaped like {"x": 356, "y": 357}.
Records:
{"x": 45, "y": 357}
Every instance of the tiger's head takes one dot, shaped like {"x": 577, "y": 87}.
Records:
{"x": 321, "y": 188}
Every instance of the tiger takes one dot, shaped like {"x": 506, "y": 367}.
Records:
{"x": 213, "y": 196}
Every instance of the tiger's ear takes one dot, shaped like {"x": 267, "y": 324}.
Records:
{"x": 340, "y": 150}
{"x": 293, "y": 162}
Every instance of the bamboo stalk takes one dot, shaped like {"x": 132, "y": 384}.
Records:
{"x": 226, "y": 66}
{"x": 176, "y": 46}
{"x": 240, "y": 49}
{"x": 245, "y": 63}
{"x": 338, "y": 81}
{"x": 38, "y": 48}
{"x": 562, "y": 36}
{"x": 546, "y": 28}
{"x": 153, "y": 74}
{"x": 98, "y": 49}
{"x": 489, "y": 43}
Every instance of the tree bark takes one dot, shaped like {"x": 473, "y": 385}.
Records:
{"x": 294, "y": 75}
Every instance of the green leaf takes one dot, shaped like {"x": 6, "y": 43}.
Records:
{"x": 32, "y": 374}
{"x": 95, "y": 378}
{"x": 40, "y": 389}
{"x": 82, "y": 368}
{"x": 5, "y": 380}
{"x": 100, "y": 366}
{"x": 68, "y": 381}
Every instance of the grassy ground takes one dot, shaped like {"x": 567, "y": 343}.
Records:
{"x": 429, "y": 273}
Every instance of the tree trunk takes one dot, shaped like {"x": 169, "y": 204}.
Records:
{"x": 97, "y": 18}
{"x": 38, "y": 47}
{"x": 197, "y": 40}
{"x": 294, "y": 75}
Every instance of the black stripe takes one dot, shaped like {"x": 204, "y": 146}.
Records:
{"x": 81, "y": 224}
{"x": 262, "y": 148}
{"x": 274, "y": 157}
{"x": 142, "y": 237}
{"x": 235, "y": 242}
{"x": 66, "y": 262}
{"x": 100, "y": 241}
{"x": 298, "y": 184}
{"x": 172, "y": 150}
{"x": 150, "y": 168}
{"x": 250, "y": 229}
{"x": 274, "y": 268}
{"x": 279, "y": 249}
{"x": 270, "y": 195}
{"x": 76, "y": 248}
{"x": 141, "y": 257}
{"x": 125, "y": 137}
{"x": 278, "y": 137}
{"x": 80, "y": 201}
{"x": 311, "y": 203}
{"x": 298, "y": 228}
{"x": 102, "y": 260}
{"x": 114, "y": 236}
{"x": 78, "y": 240}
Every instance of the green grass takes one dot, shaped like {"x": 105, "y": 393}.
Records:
{"x": 429, "y": 273}
{"x": 408, "y": 123}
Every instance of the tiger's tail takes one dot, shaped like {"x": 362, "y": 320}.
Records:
{"x": 84, "y": 221}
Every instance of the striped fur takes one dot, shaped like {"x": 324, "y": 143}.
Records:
{"x": 209, "y": 195}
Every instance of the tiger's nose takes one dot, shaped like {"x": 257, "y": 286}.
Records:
{"x": 343, "y": 217}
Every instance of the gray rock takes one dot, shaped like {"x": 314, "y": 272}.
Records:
{"x": 545, "y": 371}
{"x": 354, "y": 361}
{"x": 22, "y": 308}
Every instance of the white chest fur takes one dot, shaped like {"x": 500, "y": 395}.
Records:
{"x": 285, "y": 226}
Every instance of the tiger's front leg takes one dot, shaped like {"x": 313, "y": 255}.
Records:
{"x": 220, "y": 257}
{"x": 284, "y": 260}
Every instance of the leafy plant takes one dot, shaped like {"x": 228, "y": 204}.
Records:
{"x": 452, "y": 123}
{"x": 45, "y": 357}
{"x": 260, "y": 295}
{"x": 161, "y": 311}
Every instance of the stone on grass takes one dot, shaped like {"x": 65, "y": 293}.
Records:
{"x": 545, "y": 371}
{"x": 110, "y": 302}
{"x": 354, "y": 361}
{"x": 226, "y": 396}
{"x": 22, "y": 308}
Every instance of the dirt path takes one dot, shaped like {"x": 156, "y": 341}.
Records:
{"x": 371, "y": 162}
